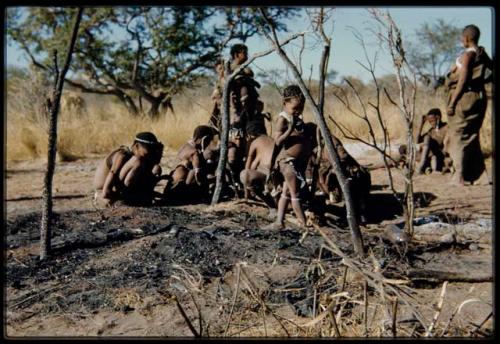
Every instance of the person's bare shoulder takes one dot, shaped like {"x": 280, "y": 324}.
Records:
{"x": 281, "y": 123}
{"x": 117, "y": 154}
{"x": 186, "y": 151}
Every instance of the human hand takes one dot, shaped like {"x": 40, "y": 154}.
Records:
{"x": 450, "y": 111}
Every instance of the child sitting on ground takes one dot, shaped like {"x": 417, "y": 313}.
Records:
{"x": 191, "y": 172}
{"x": 129, "y": 173}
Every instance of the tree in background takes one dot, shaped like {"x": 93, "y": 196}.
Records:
{"x": 437, "y": 44}
{"x": 136, "y": 53}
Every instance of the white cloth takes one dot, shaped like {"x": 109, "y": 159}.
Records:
{"x": 286, "y": 116}
{"x": 458, "y": 61}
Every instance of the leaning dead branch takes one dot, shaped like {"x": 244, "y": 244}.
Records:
{"x": 272, "y": 38}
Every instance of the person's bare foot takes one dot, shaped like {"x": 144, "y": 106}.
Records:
{"x": 274, "y": 226}
{"x": 483, "y": 180}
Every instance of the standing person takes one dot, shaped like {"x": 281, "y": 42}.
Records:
{"x": 466, "y": 107}
{"x": 295, "y": 141}
{"x": 243, "y": 97}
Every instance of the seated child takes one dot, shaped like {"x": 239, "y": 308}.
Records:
{"x": 129, "y": 173}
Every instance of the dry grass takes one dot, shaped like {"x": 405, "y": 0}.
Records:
{"x": 106, "y": 124}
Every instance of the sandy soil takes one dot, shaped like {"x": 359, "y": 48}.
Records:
{"x": 114, "y": 282}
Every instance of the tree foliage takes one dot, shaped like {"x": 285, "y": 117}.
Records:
{"x": 436, "y": 47}
{"x": 131, "y": 52}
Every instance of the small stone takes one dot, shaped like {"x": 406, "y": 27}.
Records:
{"x": 174, "y": 230}
{"x": 448, "y": 238}
{"x": 473, "y": 247}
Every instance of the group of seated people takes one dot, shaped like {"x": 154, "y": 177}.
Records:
{"x": 290, "y": 168}
{"x": 284, "y": 169}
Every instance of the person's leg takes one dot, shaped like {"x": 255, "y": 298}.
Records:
{"x": 279, "y": 223}
{"x": 322, "y": 181}
{"x": 134, "y": 173}
{"x": 424, "y": 157}
{"x": 292, "y": 183}
{"x": 282, "y": 205}
{"x": 334, "y": 191}
{"x": 257, "y": 184}
{"x": 233, "y": 161}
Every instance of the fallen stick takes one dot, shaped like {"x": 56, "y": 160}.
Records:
{"x": 365, "y": 316}
{"x": 478, "y": 327}
{"x": 438, "y": 310}
{"x": 394, "y": 317}
{"x": 370, "y": 276}
{"x": 437, "y": 276}
{"x": 234, "y": 299}
{"x": 344, "y": 278}
{"x": 455, "y": 312}
{"x": 334, "y": 321}
{"x": 186, "y": 319}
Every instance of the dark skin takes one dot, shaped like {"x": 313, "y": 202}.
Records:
{"x": 298, "y": 146}
{"x": 127, "y": 172}
{"x": 467, "y": 60}
{"x": 192, "y": 160}
{"x": 258, "y": 161}
{"x": 431, "y": 143}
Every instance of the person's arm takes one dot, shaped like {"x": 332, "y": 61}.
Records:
{"x": 418, "y": 135}
{"x": 280, "y": 135}
{"x": 248, "y": 165}
{"x": 464, "y": 73}
{"x": 112, "y": 177}
{"x": 196, "y": 161}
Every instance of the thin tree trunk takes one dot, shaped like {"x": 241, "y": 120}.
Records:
{"x": 224, "y": 137}
{"x": 128, "y": 102}
{"x": 154, "y": 110}
{"x": 45, "y": 230}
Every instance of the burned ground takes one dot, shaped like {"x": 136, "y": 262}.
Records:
{"x": 112, "y": 267}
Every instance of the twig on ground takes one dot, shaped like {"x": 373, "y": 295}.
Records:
{"x": 473, "y": 334}
{"x": 394, "y": 316}
{"x": 365, "y": 316}
{"x": 438, "y": 310}
{"x": 234, "y": 299}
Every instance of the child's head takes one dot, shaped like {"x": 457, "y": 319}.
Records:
{"x": 255, "y": 128}
{"x": 293, "y": 100}
{"x": 470, "y": 36}
{"x": 146, "y": 144}
{"x": 239, "y": 53}
{"x": 434, "y": 116}
{"x": 203, "y": 134}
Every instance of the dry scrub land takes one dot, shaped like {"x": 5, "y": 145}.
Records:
{"x": 114, "y": 271}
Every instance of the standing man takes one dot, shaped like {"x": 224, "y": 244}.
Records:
{"x": 243, "y": 98}
{"x": 467, "y": 106}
